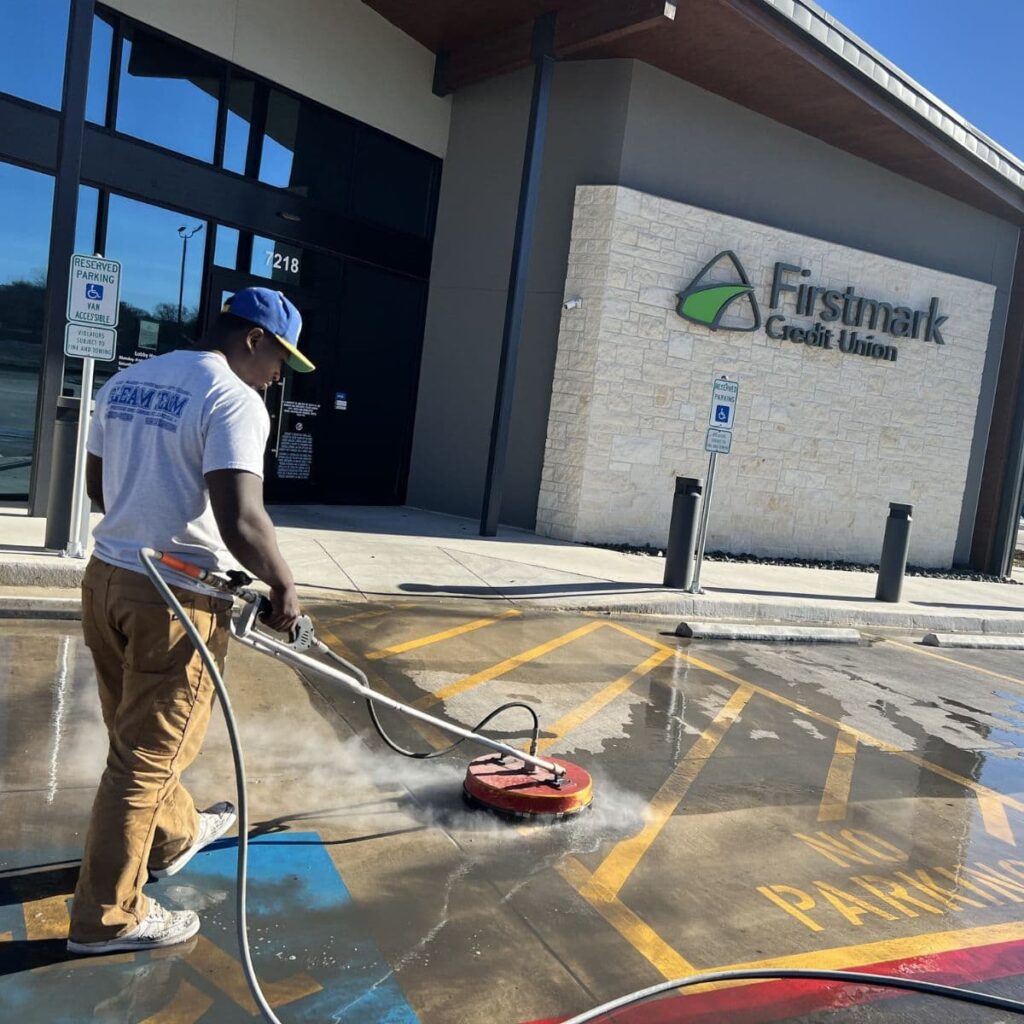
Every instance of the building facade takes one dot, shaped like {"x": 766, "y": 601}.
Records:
{"x": 859, "y": 378}
{"x": 368, "y": 157}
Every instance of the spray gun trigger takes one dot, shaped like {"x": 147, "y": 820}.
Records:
{"x": 303, "y": 637}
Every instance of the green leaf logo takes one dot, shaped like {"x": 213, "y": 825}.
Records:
{"x": 707, "y": 303}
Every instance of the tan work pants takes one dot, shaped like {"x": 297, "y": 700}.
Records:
{"x": 156, "y": 697}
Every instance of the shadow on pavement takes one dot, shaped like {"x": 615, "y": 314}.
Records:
{"x": 32, "y": 884}
{"x": 30, "y": 954}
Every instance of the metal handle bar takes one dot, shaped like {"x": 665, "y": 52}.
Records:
{"x": 262, "y": 642}
{"x": 243, "y": 629}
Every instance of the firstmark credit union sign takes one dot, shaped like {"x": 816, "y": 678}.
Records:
{"x": 820, "y": 317}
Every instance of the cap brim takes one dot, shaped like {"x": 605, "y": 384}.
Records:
{"x": 297, "y": 361}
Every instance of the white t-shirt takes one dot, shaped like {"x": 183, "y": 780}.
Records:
{"x": 159, "y": 426}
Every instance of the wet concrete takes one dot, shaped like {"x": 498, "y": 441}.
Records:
{"x": 755, "y": 805}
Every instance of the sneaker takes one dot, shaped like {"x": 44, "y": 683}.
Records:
{"x": 160, "y": 927}
{"x": 213, "y": 823}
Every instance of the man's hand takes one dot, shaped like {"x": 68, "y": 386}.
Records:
{"x": 284, "y": 613}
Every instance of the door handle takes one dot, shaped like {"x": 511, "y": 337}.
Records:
{"x": 280, "y": 419}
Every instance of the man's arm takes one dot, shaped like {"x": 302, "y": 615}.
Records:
{"x": 237, "y": 500}
{"x": 94, "y": 480}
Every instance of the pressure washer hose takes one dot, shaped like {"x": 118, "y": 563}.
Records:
{"x": 242, "y": 802}
{"x": 242, "y": 881}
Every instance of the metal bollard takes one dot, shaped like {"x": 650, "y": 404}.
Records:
{"x": 895, "y": 545}
{"x": 682, "y": 533}
{"x": 62, "y": 475}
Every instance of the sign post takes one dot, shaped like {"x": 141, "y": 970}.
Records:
{"x": 94, "y": 294}
{"x": 717, "y": 441}
{"x": 78, "y": 535}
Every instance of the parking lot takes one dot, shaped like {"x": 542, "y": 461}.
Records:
{"x": 755, "y": 806}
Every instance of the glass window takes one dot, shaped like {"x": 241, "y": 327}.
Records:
{"x": 99, "y": 71}
{"x": 26, "y": 200}
{"x": 241, "y": 92}
{"x": 35, "y": 38}
{"x": 306, "y": 149}
{"x": 225, "y": 249}
{"x": 85, "y": 225}
{"x": 392, "y": 184}
{"x": 168, "y": 95}
{"x": 278, "y": 152}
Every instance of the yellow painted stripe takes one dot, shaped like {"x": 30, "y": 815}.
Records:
{"x": 222, "y": 970}
{"x": 671, "y": 964}
{"x": 506, "y": 666}
{"x": 47, "y": 918}
{"x": 864, "y": 738}
{"x": 187, "y": 1006}
{"x": 993, "y": 815}
{"x": 952, "y": 661}
{"x": 640, "y": 935}
{"x": 437, "y": 739}
{"x": 841, "y": 957}
{"x": 588, "y": 709}
{"x": 625, "y": 856}
{"x": 435, "y": 638}
{"x": 840, "y": 775}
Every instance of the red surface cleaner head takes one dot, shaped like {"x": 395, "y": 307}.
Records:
{"x": 514, "y": 789}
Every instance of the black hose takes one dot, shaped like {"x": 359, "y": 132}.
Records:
{"x": 147, "y": 557}
{"x": 426, "y": 755}
{"x": 962, "y": 995}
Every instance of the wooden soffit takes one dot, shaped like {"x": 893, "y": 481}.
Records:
{"x": 742, "y": 50}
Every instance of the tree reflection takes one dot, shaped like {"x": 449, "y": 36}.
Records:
{"x": 141, "y": 334}
{"x": 21, "y": 332}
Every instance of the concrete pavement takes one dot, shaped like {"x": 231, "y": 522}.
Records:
{"x": 368, "y": 554}
{"x": 755, "y": 807}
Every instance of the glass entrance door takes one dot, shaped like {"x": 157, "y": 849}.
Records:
{"x": 343, "y": 434}
{"x": 296, "y": 460}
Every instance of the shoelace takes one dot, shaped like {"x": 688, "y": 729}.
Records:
{"x": 158, "y": 915}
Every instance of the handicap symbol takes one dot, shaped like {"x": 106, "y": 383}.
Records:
{"x": 722, "y": 413}
{"x": 93, "y": 291}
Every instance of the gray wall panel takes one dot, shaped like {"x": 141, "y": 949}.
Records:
{"x": 469, "y": 278}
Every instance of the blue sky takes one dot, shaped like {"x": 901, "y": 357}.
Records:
{"x": 969, "y": 53}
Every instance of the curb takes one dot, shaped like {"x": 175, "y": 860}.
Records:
{"x": 769, "y": 633}
{"x": 13, "y": 606}
{"x": 795, "y": 613}
{"x": 58, "y": 574}
{"x": 991, "y": 643}
{"x": 910, "y": 618}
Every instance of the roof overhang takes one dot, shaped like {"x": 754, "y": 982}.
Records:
{"x": 786, "y": 59}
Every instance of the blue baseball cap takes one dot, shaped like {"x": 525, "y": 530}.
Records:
{"x": 274, "y": 313}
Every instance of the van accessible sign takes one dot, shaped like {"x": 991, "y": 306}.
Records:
{"x": 94, "y": 291}
{"x": 828, "y": 315}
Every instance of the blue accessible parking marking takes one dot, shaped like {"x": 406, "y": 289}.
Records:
{"x": 309, "y": 942}
{"x": 301, "y": 917}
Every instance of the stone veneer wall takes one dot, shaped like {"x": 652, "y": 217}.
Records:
{"x": 823, "y": 440}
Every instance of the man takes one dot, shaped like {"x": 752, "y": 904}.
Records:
{"x": 176, "y": 463}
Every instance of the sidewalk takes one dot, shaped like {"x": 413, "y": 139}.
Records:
{"x": 374, "y": 554}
